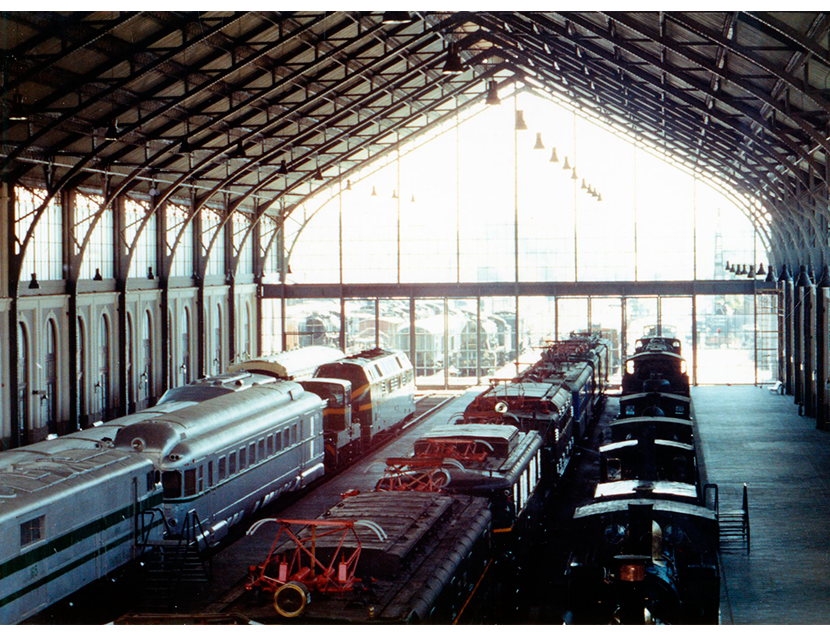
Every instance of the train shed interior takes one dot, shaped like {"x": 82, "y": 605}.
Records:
{"x": 185, "y": 190}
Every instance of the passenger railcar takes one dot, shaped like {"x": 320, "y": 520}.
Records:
{"x": 214, "y": 450}
{"x": 246, "y": 440}
{"x": 67, "y": 515}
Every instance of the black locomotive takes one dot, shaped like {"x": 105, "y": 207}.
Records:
{"x": 646, "y": 550}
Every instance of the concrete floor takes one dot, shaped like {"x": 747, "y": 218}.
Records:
{"x": 751, "y": 436}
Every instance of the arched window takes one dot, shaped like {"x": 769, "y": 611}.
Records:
{"x": 217, "y": 341}
{"x": 103, "y": 385}
{"x": 50, "y": 403}
{"x": 185, "y": 367}
{"x": 80, "y": 376}
{"x": 147, "y": 372}
{"x": 130, "y": 365}
{"x": 22, "y": 378}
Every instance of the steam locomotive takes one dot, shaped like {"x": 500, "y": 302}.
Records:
{"x": 646, "y": 544}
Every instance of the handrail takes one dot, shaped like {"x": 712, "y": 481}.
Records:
{"x": 714, "y": 488}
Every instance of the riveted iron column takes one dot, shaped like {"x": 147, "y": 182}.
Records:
{"x": 809, "y": 340}
{"x": 786, "y": 283}
{"x": 798, "y": 334}
{"x": 822, "y": 357}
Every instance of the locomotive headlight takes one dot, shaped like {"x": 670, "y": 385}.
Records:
{"x": 629, "y": 367}
{"x": 683, "y": 366}
{"x": 501, "y": 407}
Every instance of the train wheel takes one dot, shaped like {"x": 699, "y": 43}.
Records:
{"x": 291, "y": 599}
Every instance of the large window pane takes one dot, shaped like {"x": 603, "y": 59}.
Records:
{"x": 606, "y": 321}
{"x": 640, "y": 321}
{"x": 725, "y": 336}
{"x": 573, "y": 316}
{"x": 312, "y": 323}
{"x": 360, "y": 325}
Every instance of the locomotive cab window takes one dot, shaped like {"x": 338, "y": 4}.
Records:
{"x": 252, "y": 454}
{"x": 32, "y": 530}
{"x": 242, "y": 458}
{"x": 232, "y": 463}
{"x": 222, "y": 468}
{"x": 171, "y": 481}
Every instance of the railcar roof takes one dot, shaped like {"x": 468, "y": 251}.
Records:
{"x": 637, "y": 487}
{"x": 665, "y": 421}
{"x": 668, "y": 443}
{"x": 665, "y": 506}
{"x": 473, "y": 431}
{"x": 300, "y": 362}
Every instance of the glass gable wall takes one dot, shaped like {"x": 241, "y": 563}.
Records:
{"x": 566, "y": 201}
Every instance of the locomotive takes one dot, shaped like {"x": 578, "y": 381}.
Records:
{"x": 558, "y": 396}
{"x": 206, "y": 455}
{"x": 656, "y": 359}
{"x": 646, "y": 547}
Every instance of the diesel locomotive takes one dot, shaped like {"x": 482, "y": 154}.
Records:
{"x": 205, "y": 456}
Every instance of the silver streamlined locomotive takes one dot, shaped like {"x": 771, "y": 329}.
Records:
{"x": 217, "y": 449}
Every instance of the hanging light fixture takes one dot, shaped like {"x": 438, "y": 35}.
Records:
{"x": 583, "y": 186}
{"x": 574, "y": 177}
{"x": 394, "y": 194}
{"x": 492, "y": 94}
{"x": 238, "y": 152}
{"x": 348, "y": 187}
{"x": 539, "y": 145}
{"x": 283, "y": 169}
{"x": 520, "y": 120}
{"x": 566, "y": 165}
{"x": 413, "y": 199}
{"x": 727, "y": 265}
{"x": 453, "y": 65}
{"x": 34, "y": 284}
{"x": 553, "y": 157}
{"x": 770, "y": 274}
{"x": 150, "y": 275}
{"x": 111, "y": 133}
{"x": 374, "y": 191}
{"x": 318, "y": 175}
{"x": 97, "y": 275}
{"x": 761, "y": 271}
{"x": 185, "y": 147}
{"x": 751, "y": 272}
{"x": 16, "y": 111}
{"x": 599, "y": 197}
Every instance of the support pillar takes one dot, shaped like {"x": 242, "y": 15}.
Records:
{"x": 822, "y": 356}
{"x": 788, "y": 323}
{"x": 809, "y": 339}
{"x": 801, "y": 291}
